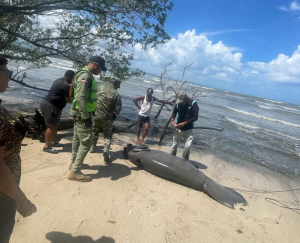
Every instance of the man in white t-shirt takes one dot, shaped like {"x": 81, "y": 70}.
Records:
{"x": 144, "y": 113}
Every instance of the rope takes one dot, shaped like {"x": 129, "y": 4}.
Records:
{"x": 272, "y": 200}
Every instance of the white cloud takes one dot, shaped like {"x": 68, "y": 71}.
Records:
{"x": 294, "y": 6}
{"x": 223, "y": 32}
{"x": 49, "y": 21}
{"x": 215, "y": 62}
{"x": 283, "y": 69}
{"x": 208, "y": 58}
{"x": 283, "y": 8}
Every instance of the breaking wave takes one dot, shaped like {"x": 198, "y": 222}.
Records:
{"x": 250, "y": 126}
{"x": 150, "y": 82}
{"x": 278, "y": 102}
{"x": 263, "y": 117}
{"x": 243, "y": 124}
{"x": 269, "y": 108}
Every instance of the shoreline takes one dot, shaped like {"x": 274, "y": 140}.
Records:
{"x": 25, "y": 105}
{"x": 126, "y": 204}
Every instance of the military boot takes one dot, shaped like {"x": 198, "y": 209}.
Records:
{"x": 106, "y": 157}
{"x": 78, "y": 176}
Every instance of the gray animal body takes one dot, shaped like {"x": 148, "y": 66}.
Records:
{"x": 182, "y": 172}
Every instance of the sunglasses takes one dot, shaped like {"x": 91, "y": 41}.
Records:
{"x": 8, "y": 72}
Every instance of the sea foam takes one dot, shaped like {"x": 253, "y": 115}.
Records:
{"x": 263, "y": 117}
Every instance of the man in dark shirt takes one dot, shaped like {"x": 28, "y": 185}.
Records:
{"x": 184, "y": 115}
{"x": 51, "y": 107}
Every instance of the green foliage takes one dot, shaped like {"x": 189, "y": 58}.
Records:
{"x": 34, "y": 30}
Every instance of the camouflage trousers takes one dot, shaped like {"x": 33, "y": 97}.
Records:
{"x": 81, "y": 144}
{"x": 103, "y": 124}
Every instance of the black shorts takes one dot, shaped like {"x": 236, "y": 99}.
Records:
{"x": 144, "y": 119}
{"x": 51, "y": 113}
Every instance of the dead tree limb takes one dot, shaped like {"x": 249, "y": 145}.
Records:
{"x": 167, "y": 124}
{"x": 210, "y": 128}
{"x": 161, "y": 107}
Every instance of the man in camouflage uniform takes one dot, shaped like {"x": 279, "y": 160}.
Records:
{"x": 82, "y": 109}
{"x": 109, "y": 104}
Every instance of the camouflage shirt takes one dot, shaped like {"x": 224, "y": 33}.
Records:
{"x": 10, "y": 139}
{"x": 109, "y": 101}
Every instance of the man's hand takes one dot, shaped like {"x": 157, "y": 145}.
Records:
{"x": 173, "y": 123}
{"x": 180, "y": 125}
{"x": 25, "y": 207}
{"x": 88, "y": 122}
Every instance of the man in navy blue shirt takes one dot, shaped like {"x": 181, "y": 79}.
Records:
{"x": 51, "y": 107}
{"x": 184, "y": 115}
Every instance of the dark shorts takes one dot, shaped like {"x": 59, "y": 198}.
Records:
{"x": 7, "y": 218}
{"x": 51, "y": 113}
{"x": 144, "y": 119}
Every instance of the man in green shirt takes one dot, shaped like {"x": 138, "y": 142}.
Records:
{"x": 109, "y": 104}
{"x": 82, "y": 109}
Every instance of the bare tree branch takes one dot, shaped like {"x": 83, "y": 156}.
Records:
{"x": 26, "y": 85}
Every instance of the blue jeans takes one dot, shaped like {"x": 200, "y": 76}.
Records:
{"x": 188, "y": 135}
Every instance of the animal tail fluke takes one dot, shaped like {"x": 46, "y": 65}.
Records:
{"x": 223, "y": 195}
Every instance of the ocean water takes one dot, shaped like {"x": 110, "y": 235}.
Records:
{"x": 255, "y": 130}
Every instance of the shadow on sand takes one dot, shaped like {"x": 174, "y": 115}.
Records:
{"x": 198, "y": 165}
{"x": 60, "y": 237}
{"x": 114, "y": 171}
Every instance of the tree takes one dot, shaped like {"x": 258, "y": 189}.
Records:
{"x": 79, "y": 29}
{"x": 168, "y": 86}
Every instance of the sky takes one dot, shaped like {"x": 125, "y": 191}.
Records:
{"x": 245, "y": 46}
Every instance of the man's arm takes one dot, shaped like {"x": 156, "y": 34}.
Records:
{"x": 83, "y": 82}
{"x": 118, "y": 106}
{"x": 164, "y": 101}
{"x": 135, "y": 101}
{"x": 10, "y": 188}
{"x": 175, "y": 111}
{"x": 66, "y": 90}
{"x": 69, "y": 99}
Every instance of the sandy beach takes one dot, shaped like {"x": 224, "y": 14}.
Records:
{"x": 126, "y": 204}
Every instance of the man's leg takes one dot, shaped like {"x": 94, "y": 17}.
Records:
{"x": 85, "y": 135}
{"x": 52, "y": 121}
{"x": 7, "y": 218}
{"x": 107, "y": 132}
{"x": 138, "y": 129}
{"x": 56, "y": 119}
{"x": 176, "y": 139}
{"x": 145, "y": 131}
{"x": 50, "y": 136}
{"x": 54, "y": 134}
{"x": 187, "y": 147}
{"x": 80, "y": 147}
{"x": 75, "y": 142}
{"x": 96, "y": 130}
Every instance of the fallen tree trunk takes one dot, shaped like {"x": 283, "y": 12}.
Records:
{"x": 210, "y": 128}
